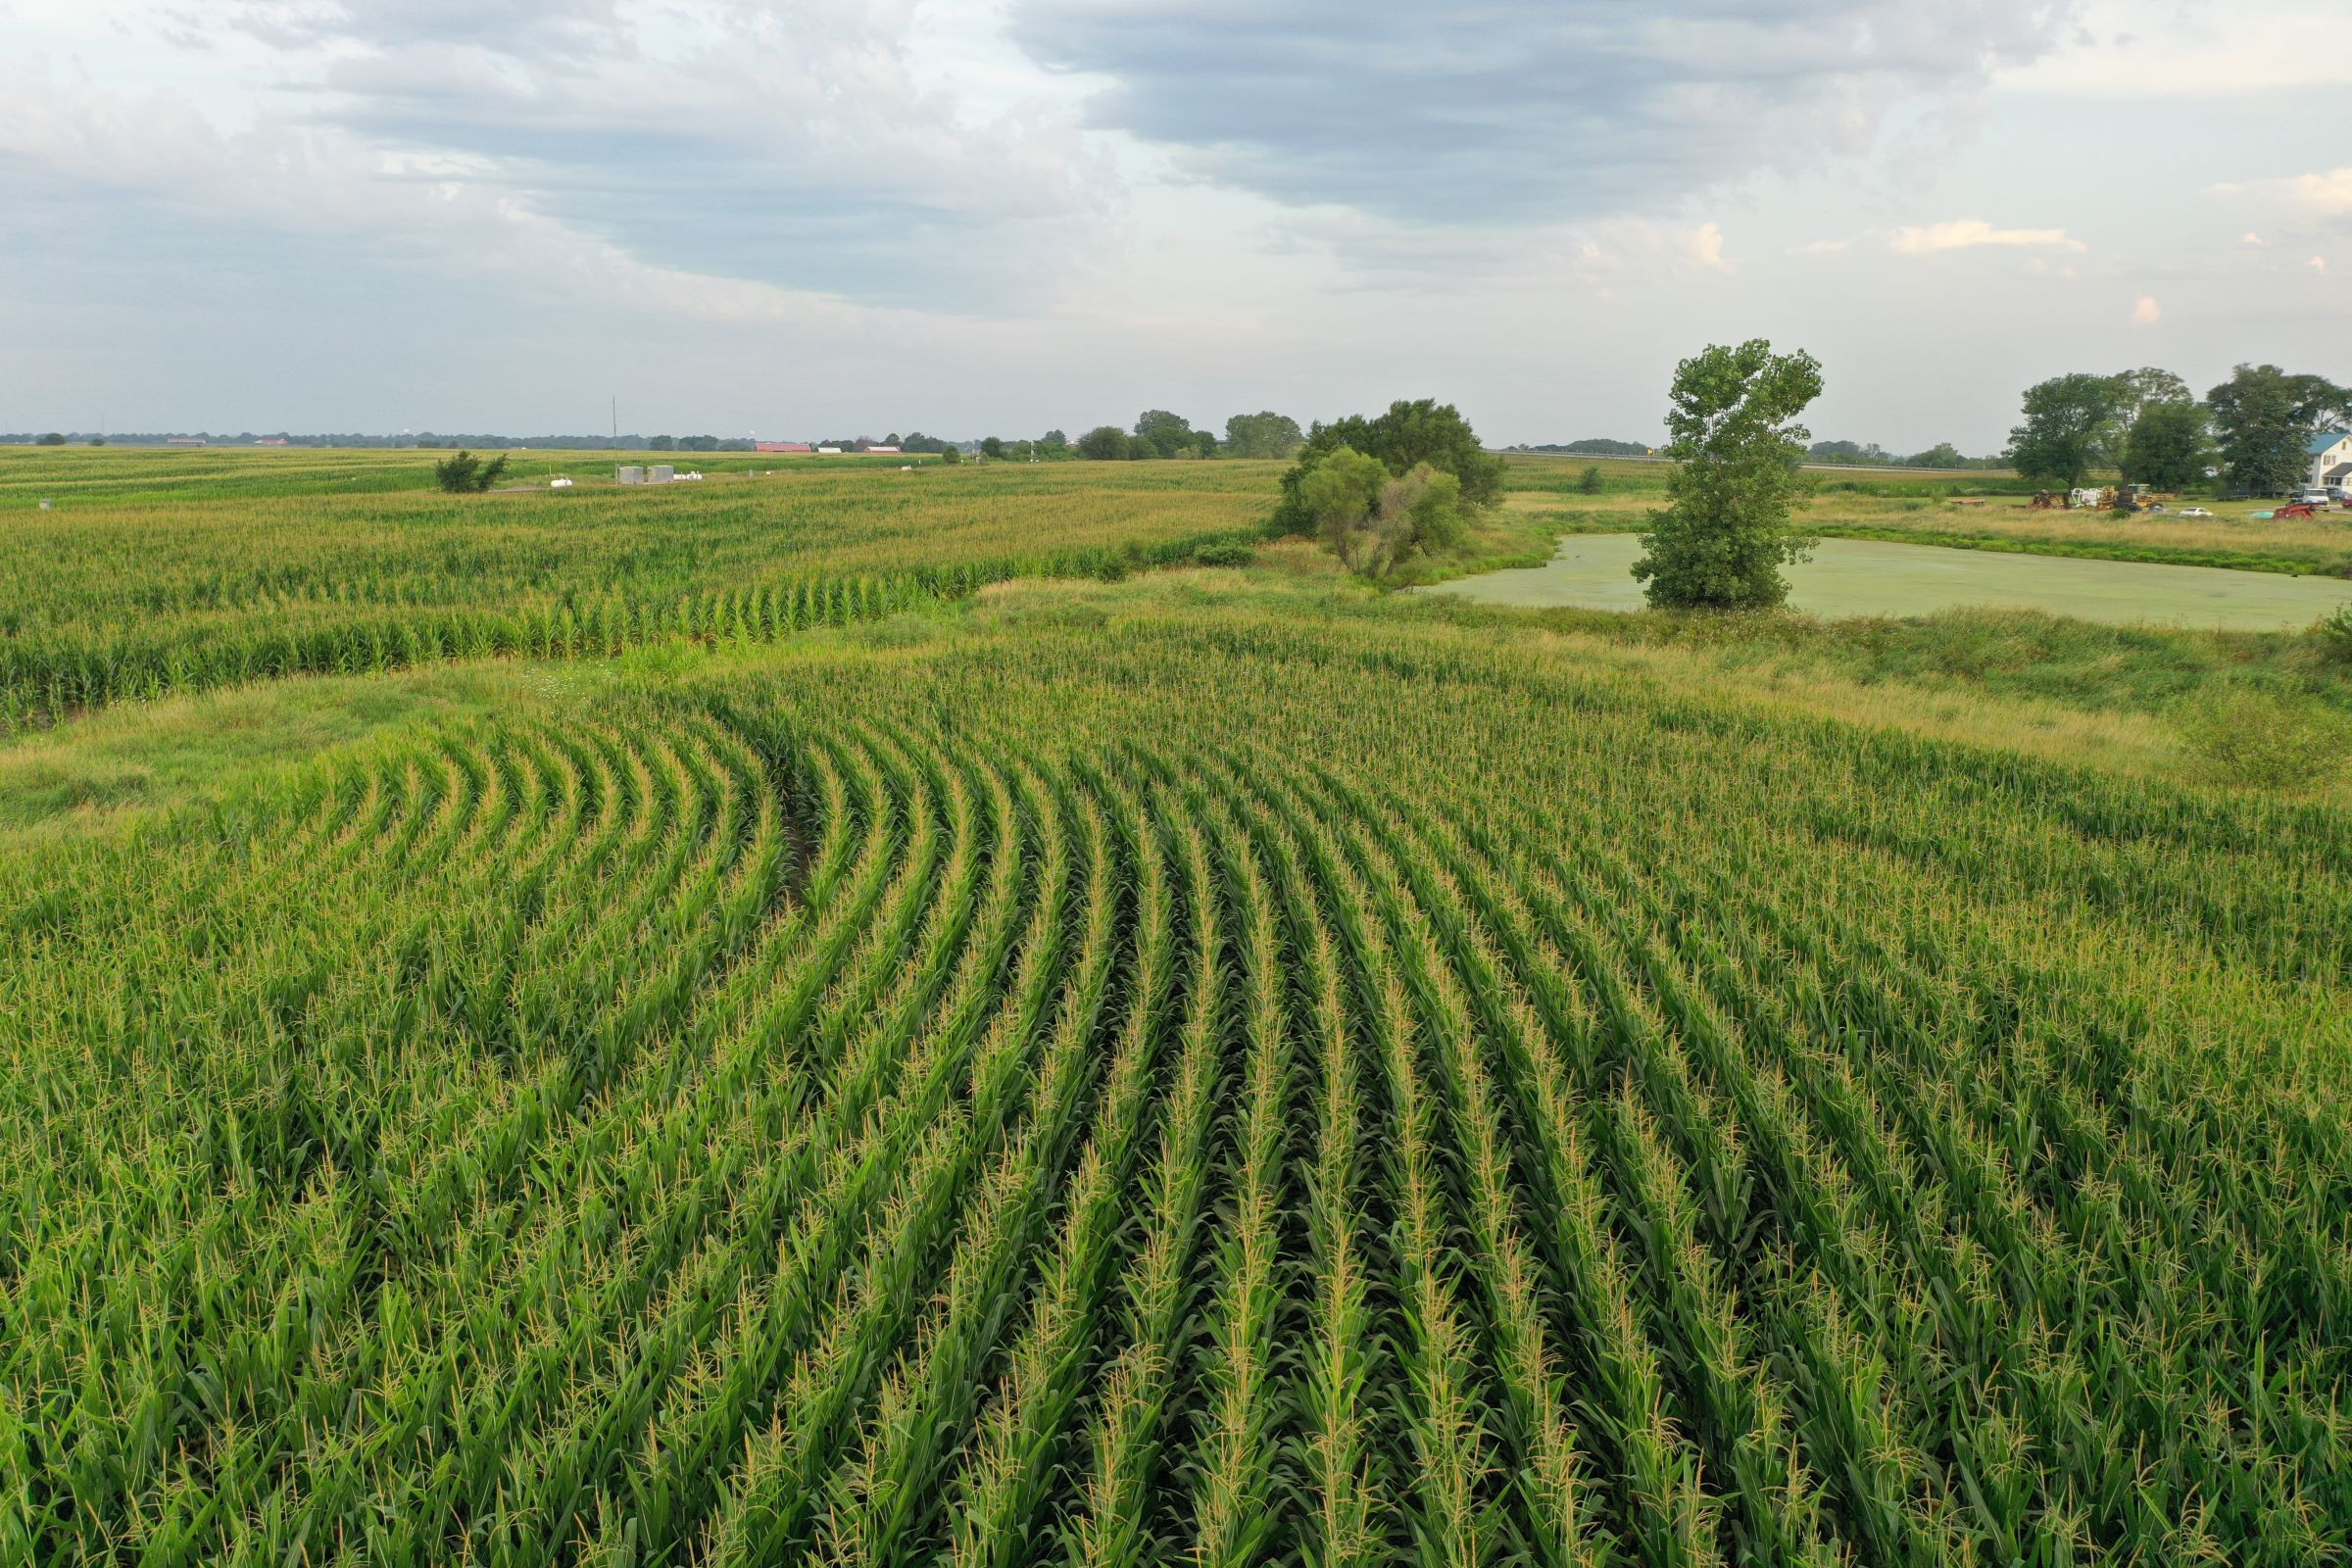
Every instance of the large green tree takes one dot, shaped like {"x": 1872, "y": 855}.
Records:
{"x": 2072, "y": 424}
{"x": 1106, "y": 442}
{"x": 2168, "y": 446}
{"x": 2149, "y": 385}
{"x": 1263, "y": 435}
{"x": 2262, "y": 417}
{"x": 1407, "y": 435}
{"x": 1161, "y": 434}
{"x": 1736, "y": 445}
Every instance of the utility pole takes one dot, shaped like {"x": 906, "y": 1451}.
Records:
{"x": 617, "y": 418}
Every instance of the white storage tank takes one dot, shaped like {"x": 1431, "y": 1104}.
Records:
{"x": 629, "y": 473}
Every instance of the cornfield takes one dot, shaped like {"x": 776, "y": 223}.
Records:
{"x": 147, "y": 579}
{"x": 1232, "y": 1089}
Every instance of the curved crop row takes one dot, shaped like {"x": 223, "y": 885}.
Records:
{"x": 1149, "y": 1102}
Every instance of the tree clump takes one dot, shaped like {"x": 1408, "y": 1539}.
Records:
{"x": 1408, "y": 436}
{"x": 468, "y": 474}
{"x": 1736, "y": 445}
{"x": 1107, "y": 443}
{"x": 2073, "y": 425}
{"x": 1266, "y": 435}
{"x": 1161, "y": 434}
{"x": 2264, "y": 417}
{"x": 2168, "y": 446}
{"x": 1376, "y": 521}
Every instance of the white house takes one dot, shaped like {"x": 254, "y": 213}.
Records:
{"x": 2331, "y": 460}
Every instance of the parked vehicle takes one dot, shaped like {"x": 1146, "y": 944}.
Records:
{"x": 2192, "y": 512}
{"x": 2311, "y": 498}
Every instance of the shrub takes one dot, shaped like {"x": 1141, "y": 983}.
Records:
{"x": 1590, "y": 481}
{"x": 466, "y": 474}
{"x": 1107, "y": 443}
{"x": 2246, "y": 737}
{"x": 1225, "y": 553}
{"x": 1339, "y": 495}
{"x": 2333, "y": 635}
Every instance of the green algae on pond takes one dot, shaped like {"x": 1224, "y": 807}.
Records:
{"x": 1865, "y": 577}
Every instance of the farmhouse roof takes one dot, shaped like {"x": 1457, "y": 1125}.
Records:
{"x": 2325, "y": 439}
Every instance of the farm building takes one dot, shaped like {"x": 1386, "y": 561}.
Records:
{"x": 780, "y": 446}
{"x": 2330, "y": 459}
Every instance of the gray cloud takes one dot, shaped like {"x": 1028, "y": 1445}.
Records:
{"x": 800, "y": 150}
{"x": 1518, "y": 110}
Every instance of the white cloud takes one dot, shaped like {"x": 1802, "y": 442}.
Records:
{"x": 2326, "y": 194}
{"x": 2249, "y": 237}
{"x": 2318, "y": 264}
{"x": 2146, "y": 312}
{"x": 1929, "y": 239}
{"x": 2323, "y": 195}
{"x": 2146, "y": 52}
{"x": 1825, "y": 247}
{"x": 1706, "y": 248}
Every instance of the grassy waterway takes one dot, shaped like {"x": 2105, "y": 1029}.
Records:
{"x": 1862, "y": 578}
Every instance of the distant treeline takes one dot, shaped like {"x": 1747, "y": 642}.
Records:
{"x": 427, "y": 439}
{"x": 1594, "y": 447}
{"x": 1864, "y": 454}
{"x": 1869, "y": 454}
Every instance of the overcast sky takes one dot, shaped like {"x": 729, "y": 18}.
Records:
{"x": 845, "y": 217}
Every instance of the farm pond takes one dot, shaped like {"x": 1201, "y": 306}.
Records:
{"x": 1867, "y": 577}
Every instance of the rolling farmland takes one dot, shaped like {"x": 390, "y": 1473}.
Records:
{"x": 168, "y": 570}
{"x": 1152, "y": 1081}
